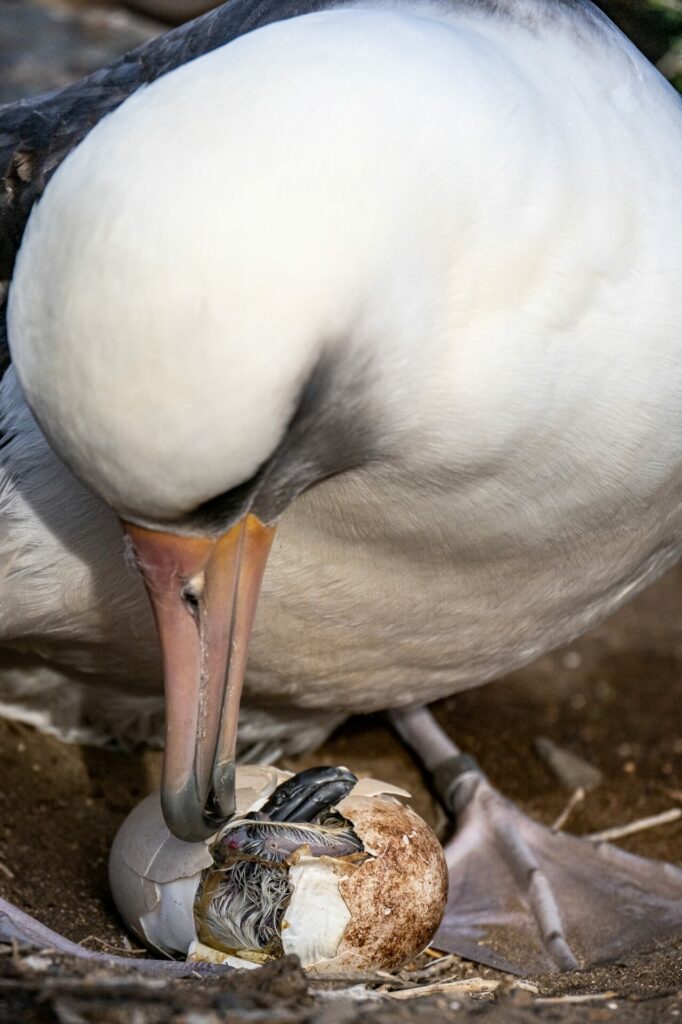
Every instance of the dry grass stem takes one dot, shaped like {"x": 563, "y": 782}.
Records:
{"x": 7, "y": 871}
{"x": 620, "y": 831}
{"x": 576, "y": 797}
{"x": 598, "y": 997}
{"x": 465, "y": 987}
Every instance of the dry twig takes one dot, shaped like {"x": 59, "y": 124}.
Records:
{"x": 620, "y": 831}
{"x": 576, "y": 797}
{"x": 7, "y": 871}
{"x": 129, "y": 950}
{"x": 465, "y": 987}
{"x": 589, "y": 997}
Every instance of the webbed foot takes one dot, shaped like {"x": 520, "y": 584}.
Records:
{"x": 524, "y": 898}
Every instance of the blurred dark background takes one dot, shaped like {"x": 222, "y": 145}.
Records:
{"x": 656, "y": 27}
{"x": 45, "y": 44}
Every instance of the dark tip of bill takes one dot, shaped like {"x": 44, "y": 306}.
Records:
{"x": 308, "y": 793}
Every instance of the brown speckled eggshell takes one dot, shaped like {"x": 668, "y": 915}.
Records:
{"x": 397, "y": 897}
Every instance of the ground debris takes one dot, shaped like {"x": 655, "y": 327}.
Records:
{"x": 37, "y": 987}
{"x": 75, "y": 991}
{"x": 466, "y": 987}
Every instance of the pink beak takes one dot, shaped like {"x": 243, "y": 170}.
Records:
{"x": 204, "y": 593}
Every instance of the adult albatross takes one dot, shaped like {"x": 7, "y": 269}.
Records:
{"x": 402, "y": 278}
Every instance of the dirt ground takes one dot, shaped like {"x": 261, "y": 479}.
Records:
{"x": 614, "y": 697}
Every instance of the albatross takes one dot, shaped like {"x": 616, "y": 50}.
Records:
{"x": 387, "y": 291}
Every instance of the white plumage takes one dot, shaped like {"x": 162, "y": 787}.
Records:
{"x": 486, "y": 209}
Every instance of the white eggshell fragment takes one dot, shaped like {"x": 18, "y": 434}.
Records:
{"x": 154, "y": 876}
{"x": 317, "y": 916}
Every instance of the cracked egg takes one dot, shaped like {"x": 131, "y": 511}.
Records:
{"x": 335, "y": 870}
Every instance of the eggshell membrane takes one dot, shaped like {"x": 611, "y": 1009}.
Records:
{"x": 397, "y": 897}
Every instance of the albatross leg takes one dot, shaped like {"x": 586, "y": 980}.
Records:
{"x": 525, "y": 898}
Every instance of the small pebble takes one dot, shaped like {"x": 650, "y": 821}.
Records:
{"x": 572, "y": 771}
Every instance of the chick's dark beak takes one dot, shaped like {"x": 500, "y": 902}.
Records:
{"x": 203, "y": 592}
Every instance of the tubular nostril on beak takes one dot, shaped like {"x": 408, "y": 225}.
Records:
{"x": 191, "y": 594}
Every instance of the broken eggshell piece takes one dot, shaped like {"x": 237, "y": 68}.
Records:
{"x": 397, "y": 897}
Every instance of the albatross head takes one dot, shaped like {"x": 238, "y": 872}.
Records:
{"x": 194, "y": 323}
